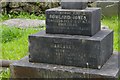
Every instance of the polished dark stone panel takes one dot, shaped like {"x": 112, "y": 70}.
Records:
{"x": 82, "y": 22}
{"x": 71, "y": 50}
{"x": 26, "y": 69}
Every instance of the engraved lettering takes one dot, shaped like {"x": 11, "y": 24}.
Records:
{"x": 69, "y": 21}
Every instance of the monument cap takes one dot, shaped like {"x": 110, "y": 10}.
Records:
{"x": 74, "y": 4}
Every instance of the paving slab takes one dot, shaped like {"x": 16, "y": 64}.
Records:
{"x": 24, "y": 23}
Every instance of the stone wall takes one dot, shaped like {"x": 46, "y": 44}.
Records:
{"x": 16, "y": 7}
{"x": 30, "y": 7}
{"x": 109, "y": 8}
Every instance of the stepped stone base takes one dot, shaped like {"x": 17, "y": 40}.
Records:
{"x": 71, "y": 50}
{"x": 25, "y": 69}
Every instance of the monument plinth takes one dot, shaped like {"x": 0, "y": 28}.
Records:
{"x": 73, "y": 46}
{"x": 29, "y": 71}
{"x": 71, "y": 50}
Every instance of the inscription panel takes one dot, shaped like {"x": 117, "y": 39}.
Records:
{"x": 65, "y": 52}
{"x": 71, "y": 22}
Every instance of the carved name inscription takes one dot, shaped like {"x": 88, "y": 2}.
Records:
{"x": 68, "y": 20}
{"x": 69, "y": 48}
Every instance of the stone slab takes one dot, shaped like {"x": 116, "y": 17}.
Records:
{"x": 64, "y": 21}
{"x": 72, "y": 50}
{"x": 26, "y": 69}
{"x": 24, "y": 23}
{"x": 73, "y": 4}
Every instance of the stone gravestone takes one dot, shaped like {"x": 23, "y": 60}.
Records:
{"x": 73, "y": 46}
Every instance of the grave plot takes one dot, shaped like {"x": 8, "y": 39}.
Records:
{"x": 73, "y": 46}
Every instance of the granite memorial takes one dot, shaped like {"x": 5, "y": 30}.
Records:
{"x": 72, "y": 46}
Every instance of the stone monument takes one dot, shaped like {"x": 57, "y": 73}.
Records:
{"x": 73, "y": 46}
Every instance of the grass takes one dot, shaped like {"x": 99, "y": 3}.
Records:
{"x": 14, "y": 44}
{"x": 14, "y": 41}
{"x": 9, "y": 34}
{"x": 112, "y": 23}
{"x": 18, "y": 47}
{"x": 5, "y": 74}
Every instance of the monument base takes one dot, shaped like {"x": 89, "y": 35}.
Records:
{"x": 26, "y": 69}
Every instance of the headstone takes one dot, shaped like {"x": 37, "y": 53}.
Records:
{"x": 73, "y": 46}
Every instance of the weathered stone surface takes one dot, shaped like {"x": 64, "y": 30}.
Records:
{"x": 73, "y": 4}
{"x": 31, "y": 8}
{"x": 71, "y": 50}
{"x": 24, "y": 23}
{"x": 61, "y": 21}
{"x": 109, "y": 8}
{"x": 14, "y": 4}
{"x": 4, "y": 4}
{"x": 25, "y": 69}
{"x": 17, "y": 6}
